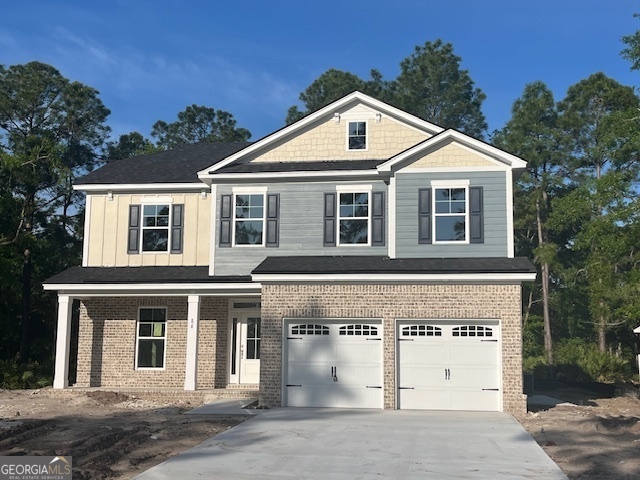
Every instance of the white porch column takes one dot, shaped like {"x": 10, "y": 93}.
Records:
{"x": 63, "y": 341}
{"x": 193, "y": 318}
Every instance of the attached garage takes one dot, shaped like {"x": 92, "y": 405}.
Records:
{"x": 333, "y": 363}
{"x": 449, "y": 365}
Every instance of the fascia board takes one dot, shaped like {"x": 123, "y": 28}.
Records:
{"x": 104, "y": 187}
{"x": 261, "y": 176}
{"x": 150, "y": 288}
{"x": 328, "y": 110}
{"x": 636, "y": 330}
{"x": 395, "y": 277}
{"x": 514, "y": 162}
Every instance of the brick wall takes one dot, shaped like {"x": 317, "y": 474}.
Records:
{"x": 107, "y": 343}
{"x": 390, "y": 302}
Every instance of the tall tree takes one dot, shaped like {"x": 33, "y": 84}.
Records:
{"x": 198, "y": 124}
{"x": 333, "y": 85}
{"x": 632, "y": 50}
{"x": 129, "y": 145}
{"x": 51, "y": 130}
{"x": 597, "y": 119}
{"x": 432, "y": 86}
{"x": 532, "y": 133}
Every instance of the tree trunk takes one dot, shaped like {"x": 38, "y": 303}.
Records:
{"x": 544, "y": 273}
{"x": 602, "y": 332}
{"x": 26, "y": 307}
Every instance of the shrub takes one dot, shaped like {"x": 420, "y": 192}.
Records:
{"x": 14, "y": 375}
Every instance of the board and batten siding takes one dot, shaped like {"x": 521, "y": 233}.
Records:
{"x": 495, "y": 216}
{"x": 301, "y": 228}
{"x": 109, "y": 224}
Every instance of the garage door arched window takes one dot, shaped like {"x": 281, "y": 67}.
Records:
{"x": 358, "y": 329}
{"x": 309, "y": 329}
{"x": 421, "y": 331}
{"x": 472, "y": 331}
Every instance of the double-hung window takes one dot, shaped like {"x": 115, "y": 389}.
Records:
{"x": 353, "y": 218}
{"x": 152, "y": 337}
{"x": 451, "y": 217}
{"x": 357, "y": 135}
{"x": 249, "y": 219}
{"x": 155, "y": 228}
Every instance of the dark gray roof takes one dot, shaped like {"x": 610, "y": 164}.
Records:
{"x": 179, "y": 165}
{"x": 380, "y": 264}
{"x": 93, "y": 275}
{"x": 306, "y": 166}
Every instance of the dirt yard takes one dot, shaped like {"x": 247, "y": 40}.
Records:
{"x": 595, "y": 439}
{"x": 111, "y": 435}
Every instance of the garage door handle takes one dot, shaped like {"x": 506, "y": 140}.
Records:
{"x": 490, "y": 389}
{"x": 406, "y": 388}
{"x": 447, "y": 374}
{"x": 371, "y": 386}
{"x": 294, "y": 385}
{"x": 493, "y": 340}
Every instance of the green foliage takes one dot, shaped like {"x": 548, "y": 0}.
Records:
{"x": 15, "y": 375}
{"x": 198, "y": 124}
{"x": 580, "y": 360}
{"x": 129, "y": 145}
{"x": 632, "y": 51}
{"x": 431, "y": 85}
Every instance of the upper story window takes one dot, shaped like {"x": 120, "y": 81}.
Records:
{"x": 155, "y": 228}
{"x": 357, "y": 135}
{"x": 353, "y": 218}
{"x": 249, "y": 219}
{"x": 450, "y": 214}
{"x": 152, "y": 336}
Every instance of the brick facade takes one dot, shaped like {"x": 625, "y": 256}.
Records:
{"x": 391, "y": 302}
{"x": 107, "y": 343}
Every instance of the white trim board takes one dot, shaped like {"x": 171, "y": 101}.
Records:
{"x": 394, "y": 277}
{"x": 140, "y": 186}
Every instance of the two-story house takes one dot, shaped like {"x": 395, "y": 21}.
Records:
{"x": 361, "y": 257}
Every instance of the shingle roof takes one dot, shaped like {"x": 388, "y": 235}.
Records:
{"x": 381, "y": 264}
{"x": 129, "y": 275}
{"x": 306, "y": 166}
{"x": 179, "y": 165}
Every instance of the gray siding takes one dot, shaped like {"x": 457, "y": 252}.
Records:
{"x": 301, "y": 228}
{"x": 495, "y": 216}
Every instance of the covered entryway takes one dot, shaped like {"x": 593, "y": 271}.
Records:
{"x": 333, "y": 363}
{"x": 449, "y": 365}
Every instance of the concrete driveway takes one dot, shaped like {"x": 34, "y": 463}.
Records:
{"x": 361, "y": 444}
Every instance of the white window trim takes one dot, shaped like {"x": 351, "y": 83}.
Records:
{"x": 249, "y": 191}
{"x": 156, "y": 200}
{"x": 354, "y": 189}
{"x": 366, "y": 136}
{"x": 143, "y": 228}
{"x": 166, "y": 330}
{"x": 443, "y": 185}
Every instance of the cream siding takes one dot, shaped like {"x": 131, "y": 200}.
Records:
{"x": 327, "y": 140}
{"x": 109, "y": 231}
{"x": 451, "y": 155}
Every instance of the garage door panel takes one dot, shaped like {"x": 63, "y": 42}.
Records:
{"x": 449, "y": 366}
{"x": 353, "y": 350}
{"x": 424, "y": 399}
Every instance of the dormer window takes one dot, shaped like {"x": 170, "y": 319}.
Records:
{"x": 357, "y": 135}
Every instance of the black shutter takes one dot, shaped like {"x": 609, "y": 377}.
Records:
{"x": 273, "y": 213}
{"x": 377, "y": 219}
{"x": 177, "y": 220}
{"x": 424, "y": 216}
{"x": 476, "y": 215}
{"x": 329, "y": 219}
{"x": 225, "y": 220}
{"x": 133, "y": 241}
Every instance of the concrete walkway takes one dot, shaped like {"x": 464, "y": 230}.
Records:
{"x": 293, "y": 443}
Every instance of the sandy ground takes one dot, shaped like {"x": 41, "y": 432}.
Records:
{"x": 595, "y": 439}
{"x": 110, "y": 435}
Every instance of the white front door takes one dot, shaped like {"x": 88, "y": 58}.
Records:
{"x": 245, "y": 349}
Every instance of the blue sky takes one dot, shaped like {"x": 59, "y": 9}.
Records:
{"x": 150, "y": 59}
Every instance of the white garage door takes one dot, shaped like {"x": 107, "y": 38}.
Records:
{"x": 333, "y": 364}
{"x": 449, "y": 366}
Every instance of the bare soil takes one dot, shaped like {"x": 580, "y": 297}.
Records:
{"x": 595, "y": 439}
{"x": 108, "y": 434}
